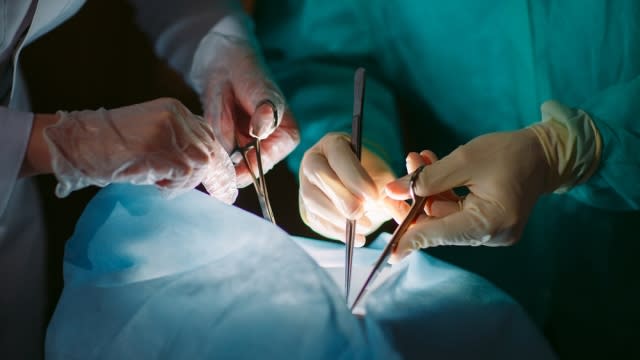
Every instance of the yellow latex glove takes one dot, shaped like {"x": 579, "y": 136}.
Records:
{"x": 505, "y": 173}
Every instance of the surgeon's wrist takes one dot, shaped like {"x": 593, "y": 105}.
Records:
{"x": 37, "y": 159}
{"x": 571, "y": 142}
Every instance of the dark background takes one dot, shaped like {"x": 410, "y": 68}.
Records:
{"x": 99, "y": 58}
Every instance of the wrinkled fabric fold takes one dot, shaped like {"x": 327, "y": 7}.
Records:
{"x": 192, "y": 277}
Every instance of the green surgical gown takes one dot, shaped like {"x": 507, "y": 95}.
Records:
{"x": 440, "y": 73}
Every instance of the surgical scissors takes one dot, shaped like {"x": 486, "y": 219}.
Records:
{"x": 258, "y": 179}
{"x": 356, "y": 146}
{"x": 417, "y": 208}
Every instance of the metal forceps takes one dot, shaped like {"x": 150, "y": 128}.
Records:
{"x": 258, "y": 179}
{"x": 356, "y": 146}
{"x": 417, "y": 207}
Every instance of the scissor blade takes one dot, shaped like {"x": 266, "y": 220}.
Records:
{"x": 373, "y": 274}
{"x": 416, "y": 209}
{"x": 265, "y": 208}
{"x": 258, "y": 179}
{"x": 263, "y": 193}
{"x": 351, "y": 235}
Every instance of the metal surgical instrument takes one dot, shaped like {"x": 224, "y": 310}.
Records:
{"x": 258, "y": 179}
{"x": 417, "y": 208}
{"x": 356, "y": 146}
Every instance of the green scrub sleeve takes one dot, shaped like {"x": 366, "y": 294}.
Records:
{"x": 320, "y": 96}
{"x": 616, "y": 183}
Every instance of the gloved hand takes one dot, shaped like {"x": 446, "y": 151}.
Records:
{"x": 335, "y": 186}
{"x": 438, "y": 205}
{"x": 505, "y": 173}
{"x": 158, "y": 142}
{"x": 240, "y": 100}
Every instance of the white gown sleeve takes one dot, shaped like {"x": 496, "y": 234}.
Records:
{"x": 176, "y": 27}
{"x": 14, "y": 137}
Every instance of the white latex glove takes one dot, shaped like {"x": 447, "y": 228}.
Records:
{"x": 240, "y": 100}
{"x": 158, "y": 142}
{"x": 505, "y": 173}
{"x": 335, "y": 186}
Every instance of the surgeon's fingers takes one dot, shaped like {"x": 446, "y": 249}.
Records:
{"x": 445, "y": 174}
{"x": 414, "y": 160}
{"x": 399, "y": 189}
{"x": 273, "y": 149}
{"x": 326, "y": 228}
{"x": 341, "y": 158}
{"x": 397, "y": 209}
{"x": 436, "y": 206}
{"x": 260, "y": 96}
{"x": 265, "y": 119}
{"x": 316, "y": 168}
{"x": 472, "y": 226}
{"x": 440, "y": 206}
{"x": 314, "y": 200}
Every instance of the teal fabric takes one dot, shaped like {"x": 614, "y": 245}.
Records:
{"x": 313, "y": 53}
{"x": 453, "y": 70}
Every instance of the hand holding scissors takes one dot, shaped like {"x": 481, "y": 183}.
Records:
{"x": 257, "y": 176}
{"x": 415, "y": 164}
